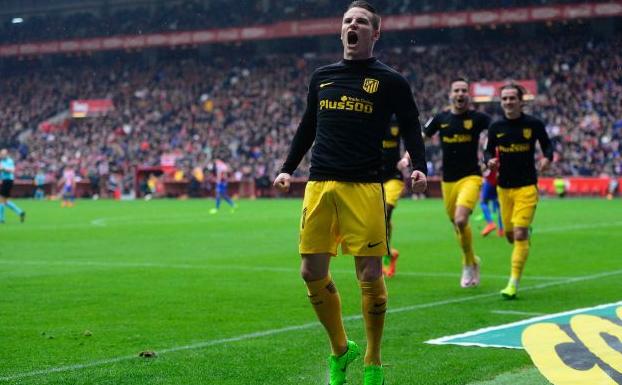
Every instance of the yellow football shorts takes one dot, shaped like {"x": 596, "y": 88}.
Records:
{"x": 464, "y": 192}
{"x": 517, "y": 205}
{"x": 393, "y": 189}
{"x": 343, "y": 213}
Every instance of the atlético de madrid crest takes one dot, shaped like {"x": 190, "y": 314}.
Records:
{"x": 468, "y": 123}
{"x": 395, "y": 130}
{"x": 370, "y": 85}
{"x": 527, "y": 133}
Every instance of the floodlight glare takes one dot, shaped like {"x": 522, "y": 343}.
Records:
{"x": 17, "y": 20}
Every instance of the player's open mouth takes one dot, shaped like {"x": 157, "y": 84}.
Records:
{"x": 353, "y": 38}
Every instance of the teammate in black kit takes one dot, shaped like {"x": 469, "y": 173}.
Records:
{"x": 459, "y": 130}
{"x": 349, "y": 106}
{"x": 514, "y": 138}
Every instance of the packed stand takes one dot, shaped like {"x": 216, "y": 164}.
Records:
{"x": 245, "y": 111}
{"x": 198, "y": 15}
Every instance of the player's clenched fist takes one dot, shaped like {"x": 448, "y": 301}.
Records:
{"x": 543, "y": 164}
{"x": 419, "y": 182}
{"x": 282, "y": 182}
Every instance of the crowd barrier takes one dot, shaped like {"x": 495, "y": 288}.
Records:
{"x": 575, "y": 186}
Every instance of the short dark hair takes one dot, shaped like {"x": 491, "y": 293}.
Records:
{"x": 520, "y": 91}
{"x": 375, "y": 19}
{"x": 458, "y": 79}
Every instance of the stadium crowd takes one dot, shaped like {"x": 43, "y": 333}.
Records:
{"x": 245, "y": 110}
{"x": 196, "y": 14}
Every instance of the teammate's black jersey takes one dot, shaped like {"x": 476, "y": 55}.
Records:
{"x": 349, "y": 106}
{"x": 391, "y": 153}
{"x": 515, "y": 142}
{"x": 459, "y": 135}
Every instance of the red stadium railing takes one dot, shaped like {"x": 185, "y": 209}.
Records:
{"x": 575, "y": 186}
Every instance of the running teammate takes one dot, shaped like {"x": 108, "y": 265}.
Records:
{"x": 514, "y": 137}
{"x": 459, "y": 130}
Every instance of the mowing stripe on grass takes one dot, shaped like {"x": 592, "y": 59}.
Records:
{"x": 246, "y": 268}
{"x": 496, "y": 293}
{"x": 162, "y": 351}
{"x": 523, "y": 377}
{"x": 586, "y": 226}
{"x": 271, "y": 332}
{"x": 103, "y": 223}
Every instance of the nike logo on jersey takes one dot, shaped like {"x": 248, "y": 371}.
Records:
{"x": 322, "y": 85}
{"x": 445, "y": 125}
{"x": 370, "y": 245}
{"x": 500, "y": 135}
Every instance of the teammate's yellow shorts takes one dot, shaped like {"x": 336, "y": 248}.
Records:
{"x": 346, "y": 213}
{"x": 517, "y": 205}
{"x": 463, "y": 192}
{"x": 393, "y": 189}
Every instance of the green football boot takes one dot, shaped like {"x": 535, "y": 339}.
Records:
{"x": 386, "y": 261}
{"x": 374, "y": 375}
{"x": 510, "y": 291}
{"x": 338, "y": 365}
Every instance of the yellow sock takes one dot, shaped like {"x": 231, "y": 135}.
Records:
{"x": 374, "y": 298}
{"x": 519, "y": 258}
{"x": 327, "y": 305}
{"x": 465, "y": 237}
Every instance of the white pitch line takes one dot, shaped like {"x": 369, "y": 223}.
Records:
{"x": 493, "y": 276}
{"x": 248, "y": 268}
{"x": 513, "y": 312}
{"x": 101, "y": 222}
{"x": 150, "y": 220}
{"x": 271, "y": 332}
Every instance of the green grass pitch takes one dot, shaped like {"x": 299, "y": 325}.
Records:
{"x": 219, "y": 297}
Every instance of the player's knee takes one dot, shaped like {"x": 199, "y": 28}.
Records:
{"x": 309, "y": 275}
{"x": 521, "y": 234}
{"x": 461, "y": 222}
{"x": 370, "y": 271}
{"x": 370, "y": 274}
